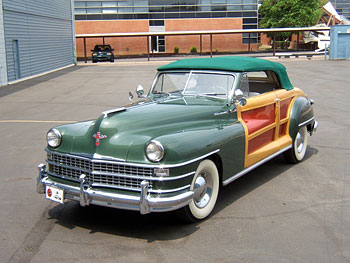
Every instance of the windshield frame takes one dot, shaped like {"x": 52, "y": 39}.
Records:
{"x": 227, "y": 98}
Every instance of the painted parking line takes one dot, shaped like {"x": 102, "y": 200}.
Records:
{"x": 34, "y": 121}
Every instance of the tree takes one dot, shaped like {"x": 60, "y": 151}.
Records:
{"x": 289, "y": 13}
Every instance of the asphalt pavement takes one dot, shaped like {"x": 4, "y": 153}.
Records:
{"x": 276, "y": 213}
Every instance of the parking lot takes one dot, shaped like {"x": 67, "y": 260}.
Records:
{"x": 276, "y": 213}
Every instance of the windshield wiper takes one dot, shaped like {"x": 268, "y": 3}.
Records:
{"x": 162, "y": 93}
{"x": 212, "y": 94}
{"x": 169, "y": 94}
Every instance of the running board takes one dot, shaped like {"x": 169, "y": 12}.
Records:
{"x": 247, "y": 170}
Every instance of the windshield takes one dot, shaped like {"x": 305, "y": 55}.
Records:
{"x": 193, "y": 84}
{"x": 102, "y": 48}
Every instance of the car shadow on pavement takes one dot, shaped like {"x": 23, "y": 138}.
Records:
{"x": 162, "y": 226}
{"x": 256, "y": 178}
{"x": 150, "y": 227}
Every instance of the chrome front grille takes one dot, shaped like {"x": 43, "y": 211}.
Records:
{"x": 98, "y": 172}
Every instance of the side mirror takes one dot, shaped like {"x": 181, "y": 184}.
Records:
{"x": 131, "y": 96}
{"x": 243, "y": 101}
{"x": 239, "y": 97}
{"x": 140, "y": 91}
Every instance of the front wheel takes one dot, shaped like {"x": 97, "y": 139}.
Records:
{"x": 205, "y": 185}
{"x": 297, "y": 152}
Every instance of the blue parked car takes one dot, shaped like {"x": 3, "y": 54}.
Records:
{"x": 102, "y": 53}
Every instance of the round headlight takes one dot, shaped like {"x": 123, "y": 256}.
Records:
{"x": 54, "y": 138}
{"x": 154, "y": 151}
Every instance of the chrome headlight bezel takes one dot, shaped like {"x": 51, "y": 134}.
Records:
{"x": 154, "y": 151}
{"x": 53, "y": 138}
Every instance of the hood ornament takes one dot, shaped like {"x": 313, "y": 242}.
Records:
{"x": 98, "y": 136}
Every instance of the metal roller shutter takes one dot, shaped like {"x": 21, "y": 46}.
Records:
{"x": 38, "y": 36}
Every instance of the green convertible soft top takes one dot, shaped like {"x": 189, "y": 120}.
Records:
{"x": 232, "y": 63}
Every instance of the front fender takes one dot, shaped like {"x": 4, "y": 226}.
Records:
{"x": 188, "y": 145}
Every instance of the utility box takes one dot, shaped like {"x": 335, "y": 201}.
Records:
{"x": 340, "y": 42}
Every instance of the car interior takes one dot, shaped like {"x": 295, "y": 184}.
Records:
{"x": 260, "y": 82}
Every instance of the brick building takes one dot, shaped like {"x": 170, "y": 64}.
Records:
{"x": 106, "y": 16}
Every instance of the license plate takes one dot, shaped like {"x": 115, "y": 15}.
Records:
{"x": 55, "y": 194}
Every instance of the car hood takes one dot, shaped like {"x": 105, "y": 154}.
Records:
{"x": 105, "y": 51}
{"x": 117, "y": 133}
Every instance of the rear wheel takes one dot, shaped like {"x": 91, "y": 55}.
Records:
{"x": 205, "y": 185}
{"x": 297, "y": 152}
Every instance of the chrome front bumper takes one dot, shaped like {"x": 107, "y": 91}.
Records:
{"x": 145, "y": 203}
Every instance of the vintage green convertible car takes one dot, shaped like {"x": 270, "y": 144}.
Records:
{"x": 204, "y": 123}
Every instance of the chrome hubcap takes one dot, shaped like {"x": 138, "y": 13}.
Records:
{"x": 300, "y": 142}
{"x": 203, "y": 188}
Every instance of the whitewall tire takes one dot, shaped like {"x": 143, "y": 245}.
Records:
{"x": 205, "y": 185}
{"x": 298, "y": 151}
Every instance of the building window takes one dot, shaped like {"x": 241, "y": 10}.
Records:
{"x": 109, "y": 10}
{"x": 93, "y": 4}
{"x": 109, "y": 4}
{"x": 156, "y": 23}
{"x": 162, "y": 9}
{"x": 79, "y": 4}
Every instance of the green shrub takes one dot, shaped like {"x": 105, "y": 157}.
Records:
{"x": 193, "y": 50}
{"x": 176, "y": 50}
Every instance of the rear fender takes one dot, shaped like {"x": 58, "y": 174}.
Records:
{"x": 302, "y": 114}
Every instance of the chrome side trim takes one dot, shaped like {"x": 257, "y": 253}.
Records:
{"x": 314, "y": 128}
{"x": 105, "y": 113}
{"x": 175, "y": 177}
{"x": 188, "y": 162}
{"x": 139, "y": 165}
{"x": 220, "y": 113}
{"x": 247, "y": 170}
{"x": 306, "y": 122}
